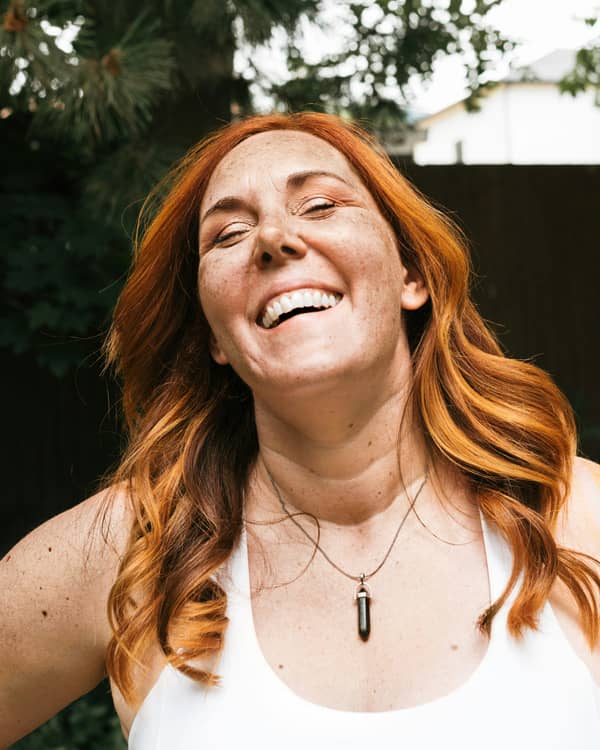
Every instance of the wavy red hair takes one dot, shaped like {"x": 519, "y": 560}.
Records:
{"x": 192, "y": 439}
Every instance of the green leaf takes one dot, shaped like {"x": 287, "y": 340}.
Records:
{"x": 110, "y": 93}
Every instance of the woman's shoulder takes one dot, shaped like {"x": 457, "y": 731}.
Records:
{"x": 60, "y": 574}
{"x": 578, "y": 529}
{"x": 78, "y": 549}
{"x": 587, "y": 472}
{"x": 579, "y": 523}
{"x": 54, "y": 585}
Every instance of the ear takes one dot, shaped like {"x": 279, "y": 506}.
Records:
{"x": 414, "y": 292}
{"x": 216, "y": 352}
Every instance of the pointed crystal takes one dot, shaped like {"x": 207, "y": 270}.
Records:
{"x": 364, "y": 614}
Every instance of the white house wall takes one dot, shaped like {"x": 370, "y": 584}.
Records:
{"x": 517, "y": 124}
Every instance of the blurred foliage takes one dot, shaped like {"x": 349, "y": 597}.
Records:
{"x": 392, "y": 43}
{"x": 88, "y": 724}
{"x": 60, "y": 264}
{"x": 98, "y": 98}
{"x": 586, "y": 73}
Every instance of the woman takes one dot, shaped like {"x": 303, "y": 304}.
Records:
{"x": 343, "y": 515}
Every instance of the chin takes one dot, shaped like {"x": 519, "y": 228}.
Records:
{"x": 318, "y": 376}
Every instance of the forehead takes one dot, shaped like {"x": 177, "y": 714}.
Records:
{"x": 273, "y": 155}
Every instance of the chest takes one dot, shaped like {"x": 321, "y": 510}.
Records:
{"x": 424, "y": 641}
{"x": 295, "y": 673}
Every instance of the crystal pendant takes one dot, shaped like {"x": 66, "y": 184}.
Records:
{"x": 363, "y": 596}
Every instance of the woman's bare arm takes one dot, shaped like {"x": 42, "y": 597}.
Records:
{"x": 54, "y": 628}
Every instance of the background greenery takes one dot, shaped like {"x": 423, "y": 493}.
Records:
{"x": 88, "y": 724}
{"x": 88, "y": 128}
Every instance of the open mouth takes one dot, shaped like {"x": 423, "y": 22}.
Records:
{"x": 300, "y": 301}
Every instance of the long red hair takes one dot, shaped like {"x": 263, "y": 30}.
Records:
{"x": 192, "y": 438}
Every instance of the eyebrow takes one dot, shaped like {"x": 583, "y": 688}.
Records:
{"x": 294, "y": 180}
{"x": 297, "y": 179}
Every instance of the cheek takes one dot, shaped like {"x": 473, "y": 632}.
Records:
{"x": 218, "y": 290}
{"x": 367, "y": 248}
{"x": 376, "y": 276}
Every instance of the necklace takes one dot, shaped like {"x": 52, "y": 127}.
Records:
{"x": 362, "y": 594}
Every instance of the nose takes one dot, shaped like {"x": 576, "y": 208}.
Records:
{"x": 276, "y": 244}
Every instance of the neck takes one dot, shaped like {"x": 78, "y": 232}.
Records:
{"x": 345, "y": 466}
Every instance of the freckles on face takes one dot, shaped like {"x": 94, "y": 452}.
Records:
{"x": 221, "y": 296}
{"x": 290, "y": 190}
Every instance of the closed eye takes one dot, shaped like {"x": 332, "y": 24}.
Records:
{"x": 321, "y": 205}
{"x": 229, "y": 234}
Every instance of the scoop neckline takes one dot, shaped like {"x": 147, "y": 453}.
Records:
{"x": 287, "y": 693}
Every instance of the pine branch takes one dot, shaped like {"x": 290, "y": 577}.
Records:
{"x": 260, "y": 17}
{"x": 30, "y": 61}
{"x": 112, "y": 94}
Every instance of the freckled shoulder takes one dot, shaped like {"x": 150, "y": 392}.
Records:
{"x": 54, "y": 629}
{"x": 579, "y": 527}
{"x": 590, "y": 472}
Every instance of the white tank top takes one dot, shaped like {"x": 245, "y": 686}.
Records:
{"x": 524, "y": 695}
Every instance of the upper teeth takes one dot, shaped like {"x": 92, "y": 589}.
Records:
{"x": 293, "y": 300}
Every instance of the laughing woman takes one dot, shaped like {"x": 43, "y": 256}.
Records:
{"x": 344, "y": 517}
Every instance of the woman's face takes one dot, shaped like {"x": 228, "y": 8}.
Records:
{"x": 300, "y": 277}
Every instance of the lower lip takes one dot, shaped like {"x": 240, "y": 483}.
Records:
{"x": 302, "y": 317}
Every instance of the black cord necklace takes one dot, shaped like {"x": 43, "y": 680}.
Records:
{"x": 362, "y": 594}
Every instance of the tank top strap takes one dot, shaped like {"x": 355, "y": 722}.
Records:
{"x": 235, "y": 577}
{"x": 499, "y": 560}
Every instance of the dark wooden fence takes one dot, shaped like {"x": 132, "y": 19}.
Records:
{"x": 60, "y": 437}
{"x": 535, "y": 240}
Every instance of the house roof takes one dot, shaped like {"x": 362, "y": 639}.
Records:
{"x": 551, "y": 68}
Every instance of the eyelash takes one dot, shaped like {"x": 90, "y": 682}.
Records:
{"x": 220, "y": 238}
{"x": 321, "y": 206}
